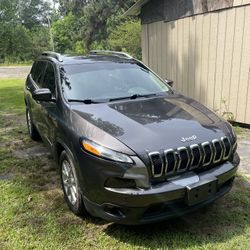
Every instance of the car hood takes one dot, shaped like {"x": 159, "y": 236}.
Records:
{"x": 155, "y": 123}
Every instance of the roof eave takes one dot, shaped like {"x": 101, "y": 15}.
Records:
{"x": 135, "y": 10}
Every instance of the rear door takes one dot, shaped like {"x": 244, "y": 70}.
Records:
{"x": 34, "y": 82}
{"x": 49, "y": 109}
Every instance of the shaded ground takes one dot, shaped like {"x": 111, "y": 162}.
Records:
{"x": 14, "y": 71}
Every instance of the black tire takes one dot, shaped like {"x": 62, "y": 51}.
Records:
{"x": 33, "y": 133}
{"x": 76, "y": 205}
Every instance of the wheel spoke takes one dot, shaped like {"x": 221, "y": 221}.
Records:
{"x": 74, "y": 189}
{"x": 69, "y": 182}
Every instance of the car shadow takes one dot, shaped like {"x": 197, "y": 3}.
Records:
{"x": 217, "y": 222}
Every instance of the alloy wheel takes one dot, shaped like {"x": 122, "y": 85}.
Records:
{"x": 69, "y": 182}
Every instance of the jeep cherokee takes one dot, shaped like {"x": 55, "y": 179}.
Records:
{"x": 130, "y": 149}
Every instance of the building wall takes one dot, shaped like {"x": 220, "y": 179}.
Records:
{"x": 207, "y": 56}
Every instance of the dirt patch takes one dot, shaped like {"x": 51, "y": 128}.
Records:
{"x": 30, "y": 153}
{"x": 8, "y": 176}
{"x": 244, "y": 151}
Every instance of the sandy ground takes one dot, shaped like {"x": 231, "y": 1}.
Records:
{"x": 244, "y": 151}
{"x": 14, "y": 72}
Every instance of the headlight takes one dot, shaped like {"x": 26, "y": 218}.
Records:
{"x": 104, "y": 152}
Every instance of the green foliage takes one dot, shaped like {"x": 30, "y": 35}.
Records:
{"x": 16, "y": 43}
{"x": 23, "y": 29}
{"x": 8, "y": 11}
{"x": 100, "y": 17}
{"x": 33, "y": 13}
{"x": 40, "y": 38}
{"x": 65, "y": 32}
{"x": 127, "y": 37}
{"x": 20, "y": 44}
{"x": 72, "y": 6}
{"x": 77, "y": 27}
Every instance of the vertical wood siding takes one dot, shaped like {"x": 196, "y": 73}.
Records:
{"x": 207, "y": 56}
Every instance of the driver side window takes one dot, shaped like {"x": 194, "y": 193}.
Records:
{"x": 49, "y": 79}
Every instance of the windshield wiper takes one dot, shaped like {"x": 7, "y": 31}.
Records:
{"x": 87, "y": 101}
{"x": 135, "y": 96}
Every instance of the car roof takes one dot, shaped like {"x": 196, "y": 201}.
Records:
{"x": 93, "y": 57}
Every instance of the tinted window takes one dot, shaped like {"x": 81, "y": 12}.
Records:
{"x": 39, "y": 72}
{"x": 101, "y": 80}
{"x": 49, "y": 78}
{"x": 32, "y": 72}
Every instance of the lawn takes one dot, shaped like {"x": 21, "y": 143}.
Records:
{"x": 35, "y": 216}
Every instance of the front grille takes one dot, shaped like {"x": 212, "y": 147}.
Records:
{"x": 192, "y": 157}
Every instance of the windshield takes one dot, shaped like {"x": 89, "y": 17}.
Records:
{"x": 109, "y": 80}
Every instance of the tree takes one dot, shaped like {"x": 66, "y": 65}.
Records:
{"x": 66, "y": 34}
{"x": 72, "y": 6}
{"x": 16, "y": 43}
{"x": 8, "y": 11}
{"x": 23, "y": 29}
{"x": 127, "y": 37}
{"x": 33, "y": 13}
{"x": 79, "y": 26}
{"x": 100, "y": 17}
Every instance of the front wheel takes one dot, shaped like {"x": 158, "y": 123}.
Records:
{"x": 70, "y": 186}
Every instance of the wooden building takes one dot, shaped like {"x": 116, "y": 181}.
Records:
{"x": 204, "y": 46}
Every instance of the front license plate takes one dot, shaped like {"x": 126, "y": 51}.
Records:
{"x": 200, "y": 193}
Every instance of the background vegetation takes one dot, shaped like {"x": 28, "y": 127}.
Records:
{"x": 76, "y": 26}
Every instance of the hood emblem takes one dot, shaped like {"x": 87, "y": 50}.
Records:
{"x": 187, "y": 139}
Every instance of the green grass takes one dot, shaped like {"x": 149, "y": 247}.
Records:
{"x": 33, "y": 214}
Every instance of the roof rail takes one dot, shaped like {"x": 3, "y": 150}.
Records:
{"x": 55, "y": 55}
{"x": 110, "y": 52}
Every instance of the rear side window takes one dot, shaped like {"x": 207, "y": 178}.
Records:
{"x": 32, "y": 72}
{"x": 49, "y": 78}
{"x": 39, "y": 72}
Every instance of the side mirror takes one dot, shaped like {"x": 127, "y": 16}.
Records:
{"x": 42, "y": 95}
{"x": 169, "y": 82}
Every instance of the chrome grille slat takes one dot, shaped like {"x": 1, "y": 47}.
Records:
{"x": 180, "y": 150}
{"x": 191, "y": 157}
{"x": 203, "y": 145}
{"x": 216, "y": 151}
{"x": 192, "y": 148}
{"x": 153, "y": 166}
{"x": 166, "y": 153}
{"x": 224, "y": 140}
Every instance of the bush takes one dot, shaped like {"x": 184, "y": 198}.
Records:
{"x": 65, "y": 34}
{"x": 16, "y": 43}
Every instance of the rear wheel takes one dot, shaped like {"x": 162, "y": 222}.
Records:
{"x": 70, "y": 186}
{"x": 33, "y": 133}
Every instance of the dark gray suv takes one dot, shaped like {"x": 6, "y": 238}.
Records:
{"x": 130, "y": 149}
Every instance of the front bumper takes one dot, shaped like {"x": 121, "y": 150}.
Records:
{"x": 165, "y": 200}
